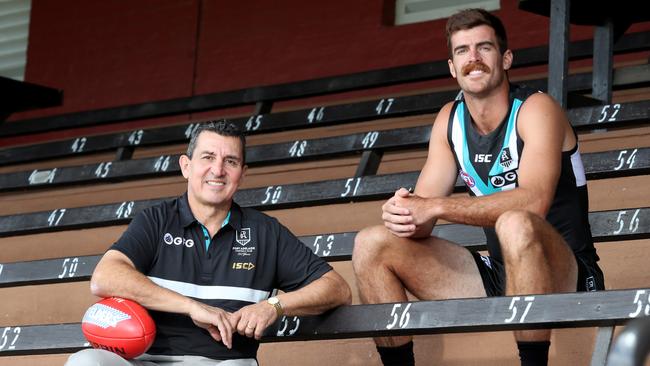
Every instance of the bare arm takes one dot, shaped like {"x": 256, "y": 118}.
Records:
{"x": 327, "y": 292}
{"x": 115, "y": 275}
{"x": 323, "y": 294}
{"x": 545, "y": 131}
{"x": 436, "y": 179}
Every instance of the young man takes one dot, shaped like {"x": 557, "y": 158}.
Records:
{"x": 518, "y": 155}
{"x": 206, "y": 268}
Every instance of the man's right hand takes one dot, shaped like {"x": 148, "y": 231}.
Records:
{"x": 398, "y": 219}
{"x": 216, "y": 321}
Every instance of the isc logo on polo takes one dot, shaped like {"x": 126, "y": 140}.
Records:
{"x": 242, "y": 265}
{"x": 169, "y": 239}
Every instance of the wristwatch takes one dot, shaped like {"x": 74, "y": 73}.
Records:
{"x": 275, "y": 302}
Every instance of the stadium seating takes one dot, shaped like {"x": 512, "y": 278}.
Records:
{"x": 625, "y": 223}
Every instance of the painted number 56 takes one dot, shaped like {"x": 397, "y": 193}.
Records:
{"x": 400, "y": 317}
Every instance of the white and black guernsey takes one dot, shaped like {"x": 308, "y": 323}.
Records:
{"x": 490, "y": 163}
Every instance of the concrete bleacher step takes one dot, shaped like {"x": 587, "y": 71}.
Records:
{"x": 597, "y": 165}
{"x": 602, "y": 308}
{"x": 614, "y": 225}
{"x": 334, "y": 114}
{"x": 615, "y": 115}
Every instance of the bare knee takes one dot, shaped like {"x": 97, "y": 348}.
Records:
{"x": 518, "y": 232}
{"x": 369, "y": 243}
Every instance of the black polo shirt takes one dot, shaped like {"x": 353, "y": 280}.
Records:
{"x": 249, "y": 257}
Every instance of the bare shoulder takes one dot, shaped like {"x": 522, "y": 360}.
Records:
{"x": 440, "y": 123}
{"x": 541, "y": 115}
{"x": 539, "y": 105}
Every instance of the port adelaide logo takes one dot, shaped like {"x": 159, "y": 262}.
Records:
{"x": 505, "y": 159}
{"x": 243, "y": 238}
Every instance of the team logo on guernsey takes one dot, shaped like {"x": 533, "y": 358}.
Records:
{"x": 590, "y": 283}
{"x": 244, "y": 236}
{"x": 505, "y": 159}
{"x": 501, "y": 180}
{"x": 469, "y": 181}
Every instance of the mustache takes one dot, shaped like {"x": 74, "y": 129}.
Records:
{"x": 475, "y": 66}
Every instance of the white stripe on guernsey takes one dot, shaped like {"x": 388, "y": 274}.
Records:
{"x": 459, "y": 144}
{"x": 512, "y": 144}
{"x": 212, "y": 292}
{"x": 457, "y": 138}
{"x": 578, "y": 168}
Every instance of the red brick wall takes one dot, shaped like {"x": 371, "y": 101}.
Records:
{"x": 112, "y": 53}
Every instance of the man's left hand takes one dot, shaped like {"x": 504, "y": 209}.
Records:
{"x": 252, "y": 320}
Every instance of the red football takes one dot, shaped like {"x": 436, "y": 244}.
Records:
{"x": 119, "y": 325}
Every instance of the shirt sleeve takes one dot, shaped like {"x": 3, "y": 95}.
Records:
{"x": 297, "y": 265}
{"x": 140, "y": 241}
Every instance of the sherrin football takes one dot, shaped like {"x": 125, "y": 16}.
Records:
{"x": 120, "y": 326}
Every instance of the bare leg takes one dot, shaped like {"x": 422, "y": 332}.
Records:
{"x": 537, "y": 260}
{"x": 431, "y": 268}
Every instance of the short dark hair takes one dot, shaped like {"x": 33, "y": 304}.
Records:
{"x": 470, "y": 18}
{"x": 221, "y": 127}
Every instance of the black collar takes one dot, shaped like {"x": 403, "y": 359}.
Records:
{"x": 187, "y": 217}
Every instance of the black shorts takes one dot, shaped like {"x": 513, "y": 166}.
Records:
{"x": 493, "y": 275}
